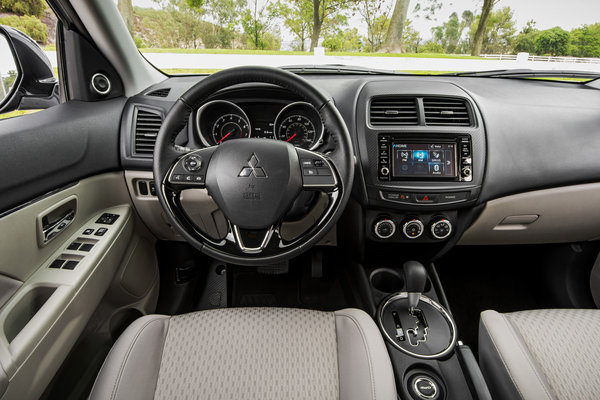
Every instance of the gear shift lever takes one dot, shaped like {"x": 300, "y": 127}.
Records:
{"x": 415, "y": 277}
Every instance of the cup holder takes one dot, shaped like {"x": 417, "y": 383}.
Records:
{"x": 386, "y": 280}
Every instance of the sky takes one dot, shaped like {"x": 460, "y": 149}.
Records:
{"x": 6, "y": 63}
{"x": 547, "y": 13}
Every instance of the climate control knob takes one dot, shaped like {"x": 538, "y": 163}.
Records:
{"x": 413, "y": 228}
{"x": 384, "y": 228}
{"x": 441, "y": 228}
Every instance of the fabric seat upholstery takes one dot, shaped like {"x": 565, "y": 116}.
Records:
{"x": 249, "y": 353}
{"x": 541, "y": 354}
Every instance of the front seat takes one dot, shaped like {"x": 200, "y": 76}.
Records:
{"x": 249, "y": 353}
{"x": 541, "y": 354}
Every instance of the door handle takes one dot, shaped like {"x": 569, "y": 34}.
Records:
{"x": 55, "y": 220}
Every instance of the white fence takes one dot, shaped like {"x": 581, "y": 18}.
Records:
{"x": 221, "y": 61}
{"x": 515, "y": 57}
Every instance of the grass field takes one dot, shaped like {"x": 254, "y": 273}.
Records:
{"x": 306, "y": 53}
{"x": 297, "y": 53}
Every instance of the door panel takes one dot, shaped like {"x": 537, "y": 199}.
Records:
{"x": 53, "y": 301}
{"x": 55, "y": 147}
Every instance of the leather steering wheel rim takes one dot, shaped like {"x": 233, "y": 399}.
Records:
{"x": 166, "y": 153}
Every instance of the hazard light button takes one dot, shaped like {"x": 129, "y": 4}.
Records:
{"x": 426, "y": 198}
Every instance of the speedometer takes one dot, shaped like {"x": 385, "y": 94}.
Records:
{"x": 230, "y": 126}
{"x": 297, "y": 130}
{"x": 300, "y": 124}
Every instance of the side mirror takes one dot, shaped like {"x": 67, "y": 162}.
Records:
{"x": 27, "y": 81}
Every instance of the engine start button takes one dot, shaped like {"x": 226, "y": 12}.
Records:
{"x": 425, "y": 387}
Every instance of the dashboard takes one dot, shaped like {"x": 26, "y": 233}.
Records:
{"x": 297, "y": 122}
{"x": 434, "y": 154}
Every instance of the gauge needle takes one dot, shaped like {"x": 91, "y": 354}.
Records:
{"x": 293, "y": 136}
{"x": 224, "y": 137}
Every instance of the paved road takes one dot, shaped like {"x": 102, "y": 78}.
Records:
{"x": 220, "y": 61}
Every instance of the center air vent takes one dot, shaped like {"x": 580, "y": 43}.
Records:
{"x": 440, "y": 111}
{"x": 147, "y": 125}
{"x": 159, "y": 92}
{"x": 393, "y": 111}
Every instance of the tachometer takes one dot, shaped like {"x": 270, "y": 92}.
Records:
{"x": 300, "y": 124}
{"x": 230, "y": 126}
{"x": 220, "y": 120}
{"x": 297, "y": 130}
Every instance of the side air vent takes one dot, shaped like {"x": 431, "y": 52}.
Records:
{"x": 440, "y": 111}
{"x": 147, "y": 125}
{"x": 393, "y": 111}
{"x": 159, "y": 92}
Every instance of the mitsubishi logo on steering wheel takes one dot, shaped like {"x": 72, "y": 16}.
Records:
{"x": 253, "y": 168}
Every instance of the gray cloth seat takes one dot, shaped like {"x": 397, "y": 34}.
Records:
{"x": 541, "y": 354}
{"x": 249, "y": 353}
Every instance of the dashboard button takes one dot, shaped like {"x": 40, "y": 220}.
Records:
{"x": 426, "y": 198}
{"x": 413, "y": 229}
{"x": 425, "y": 387}
{"x": 453, "y": 197}
{"x": 398, "y": 197}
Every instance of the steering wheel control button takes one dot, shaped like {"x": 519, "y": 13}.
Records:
{"x": 425, "y": 387}
{"x": 385, "y": 228}
{"x": 412, "y": 229}
{"x": 100, "y": 232}
{"x": 441, "y": 228}
{"x": 307, "y": 163}
{"x": 309, "y": 171}
{"x": 107, "y": 219}
{"x": 192, "y": 163}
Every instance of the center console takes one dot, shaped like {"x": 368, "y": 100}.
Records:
{"x": 422, "y": 155}
{"x": 421, "y": 336}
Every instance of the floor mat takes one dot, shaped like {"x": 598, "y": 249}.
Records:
{"x": 251, "y": 287}
{"x": 504, "y": 279}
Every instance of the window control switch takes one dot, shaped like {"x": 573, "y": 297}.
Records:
{"x": 74, "y": 246}
{"x": 86, "y": 247}
{"x": 107, "y": 219}
{"x": 100, "y": 232}
{"x": 56, "y": 264}
{"x": 70, "y": 265}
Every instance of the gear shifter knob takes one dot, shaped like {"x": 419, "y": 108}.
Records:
{"x": 415, "y": 277}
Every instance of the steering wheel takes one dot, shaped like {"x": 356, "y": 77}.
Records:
{"x": 253, "y": 181}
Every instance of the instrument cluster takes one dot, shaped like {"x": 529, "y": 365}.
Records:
{"x": 298, "y": 123}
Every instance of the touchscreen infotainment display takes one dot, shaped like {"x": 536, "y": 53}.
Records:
{"x": 423, "y": 160}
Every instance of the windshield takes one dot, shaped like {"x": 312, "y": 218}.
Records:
{"x": 407, "y": 36}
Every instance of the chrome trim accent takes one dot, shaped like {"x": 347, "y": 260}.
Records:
{"x": 101, "y": 92}
{"x": 378, "y": 224}
{"x": 431, "y": 382}
{"x": 434, "y": 304}
{"x": 252, "y": 250}
{"x": 416, "y": 221}
{"x": 432, "y": 229}
{"x": 318, "y": 138}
